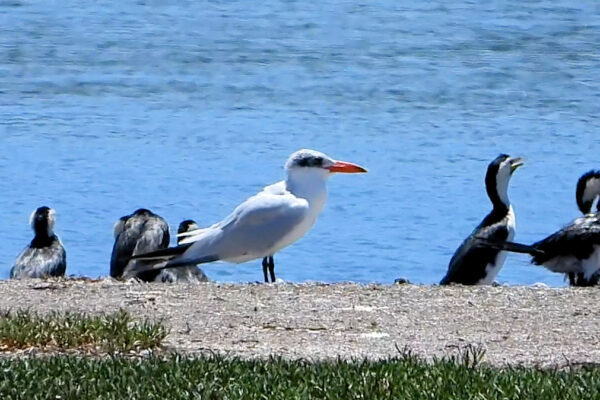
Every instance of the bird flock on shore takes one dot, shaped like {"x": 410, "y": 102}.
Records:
{"x": 283, "y": 212}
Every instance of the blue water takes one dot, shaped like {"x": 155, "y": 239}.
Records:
{"x": 187, "y": 108}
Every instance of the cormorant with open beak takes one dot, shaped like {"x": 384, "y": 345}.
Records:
{"x": 474, "y": 262}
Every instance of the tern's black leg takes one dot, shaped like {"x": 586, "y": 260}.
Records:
{"x": 272, "y": 268}
{"x": 573, "y": 278}
{"x": 265, "y": 266}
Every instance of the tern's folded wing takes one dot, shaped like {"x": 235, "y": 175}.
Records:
{"x": 278, "y": 190}
{"x": 254, "y": 227}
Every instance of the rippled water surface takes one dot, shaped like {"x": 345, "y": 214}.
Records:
{"x": 187, "y": 108}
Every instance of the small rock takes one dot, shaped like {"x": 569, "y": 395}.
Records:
{"x": 146, "y": 353}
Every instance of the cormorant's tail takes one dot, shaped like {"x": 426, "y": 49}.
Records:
{"x": 512, "y": 247}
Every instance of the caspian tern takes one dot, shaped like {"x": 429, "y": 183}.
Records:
{"x": 265, "y": 223}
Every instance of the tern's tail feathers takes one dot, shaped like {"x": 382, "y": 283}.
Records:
{"x": 152, "y": 261}
{"x": 164, "y": 258}
{"x": 136, "y": 267}
{"x": 162, "y": 254}
{"x": 191, "y": 233}
{"x": 193, "y": 236}
{"x": 512, "y": 247}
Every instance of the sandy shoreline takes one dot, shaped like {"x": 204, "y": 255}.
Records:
{"x": 515, "y": 325}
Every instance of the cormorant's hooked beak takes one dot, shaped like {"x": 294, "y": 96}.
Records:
{"x": 346, "y": 167}
{"x": 516, "y": 163}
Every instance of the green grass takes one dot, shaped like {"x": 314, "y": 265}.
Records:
{"x": 116, "y": 332}
{"x": 178, "y": 377}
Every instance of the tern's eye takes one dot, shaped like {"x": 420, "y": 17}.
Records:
{"x": 309, "y": 160}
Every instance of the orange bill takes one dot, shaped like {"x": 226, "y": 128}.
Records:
{"x": 346, "y": 167}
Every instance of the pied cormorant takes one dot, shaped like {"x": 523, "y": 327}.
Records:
{"x": 588, "y": 190}
{"x": 45, "y": 256}
{"x": 574, "y": 249}
{"x": 475, "y": 263}
{"x": 138, "y": 233}
{"x": 190, "y": 273}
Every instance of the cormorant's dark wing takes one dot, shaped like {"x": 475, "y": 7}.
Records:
{"x": 564, "y": 250}
{"x": 577, "y": 239}
{"x": 138, "y": 236}
{"x": 467, "y": 265}
{"x": 123, "y": 247}
{"x": 155, "y": 236}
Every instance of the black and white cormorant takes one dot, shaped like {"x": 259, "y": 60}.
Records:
{"x": 574, "y": 249}
{"x": 138, "y": 233}
{"x": 45, "y": 256}
{"x": 191, "y": 273}
{"x": 588, "y": 191}
{"x": 474, "y": 262}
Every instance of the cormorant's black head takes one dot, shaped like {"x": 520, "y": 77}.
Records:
{"x": 138, "y": 216}
{"x": 498, "y": 175}
{"x": 143, "y": 212}
{"x": 187, "y": 225}
{"x": 588, "y": 189}
{"x": 42, "y": 221}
